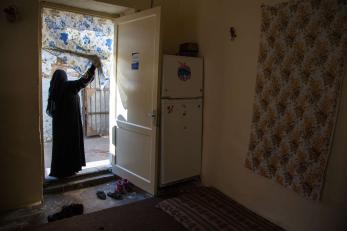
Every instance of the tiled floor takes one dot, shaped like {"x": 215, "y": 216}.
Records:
{"x": 53, "y": 203}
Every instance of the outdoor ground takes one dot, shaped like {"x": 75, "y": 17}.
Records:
{"x": 96, "y": 149}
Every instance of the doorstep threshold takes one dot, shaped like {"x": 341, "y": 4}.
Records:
{"x": 85, "y": 178}
{"x": 91, "y": 167}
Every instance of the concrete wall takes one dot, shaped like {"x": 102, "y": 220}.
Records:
{"x": 20, "y": 159}
{"x": 230, "y": 72}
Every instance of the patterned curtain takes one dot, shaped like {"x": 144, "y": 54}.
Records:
{"x": 299, "y": 76}
{"x": 78, "y": 33}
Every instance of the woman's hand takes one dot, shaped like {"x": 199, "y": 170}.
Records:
{"x": 96, "y": 61}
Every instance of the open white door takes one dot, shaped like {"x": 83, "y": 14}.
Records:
{"x": 137, "y": 74}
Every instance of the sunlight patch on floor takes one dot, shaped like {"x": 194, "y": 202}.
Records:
{"x": 89, "y": 166}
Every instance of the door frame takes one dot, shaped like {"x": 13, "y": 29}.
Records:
{"x": 113, "y": 84}
{"x": 61, "y": 7}
{"x": 43, "y": 4}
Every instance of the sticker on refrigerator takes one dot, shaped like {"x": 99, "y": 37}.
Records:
{"x": 170, "y": 109}
{"x": 183, "y": 72}
{"x": 135, "y": 61}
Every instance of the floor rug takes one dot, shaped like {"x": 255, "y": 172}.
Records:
{"x": 208, "y": 209}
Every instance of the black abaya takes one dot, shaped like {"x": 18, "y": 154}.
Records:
{"x": 68, "y": 146}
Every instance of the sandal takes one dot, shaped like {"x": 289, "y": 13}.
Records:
{"x": 115, "y": 195}
{"x": 101, "y": 195}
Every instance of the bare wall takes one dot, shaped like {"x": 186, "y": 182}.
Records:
{"x": 230, "y": 72}
{"x": 20, "y": 159}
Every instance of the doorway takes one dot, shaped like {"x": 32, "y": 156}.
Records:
{"x": 130, "y": 50}
{"x": 85, "y": 34}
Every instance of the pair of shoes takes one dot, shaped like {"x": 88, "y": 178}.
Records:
{"x": 122, "y": 187}
{"x": 67, "y": 211}
{"x": 102, "y": 195}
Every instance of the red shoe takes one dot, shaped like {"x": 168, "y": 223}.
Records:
{"x": 120, "y": 187}
{"x": 127, "y": 185}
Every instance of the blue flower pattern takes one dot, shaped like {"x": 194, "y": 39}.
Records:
{"x": 109, "y": 44}
{"x": 77, "y": 32}
{"x": 86, "y": 40}
{"x": 64, "y": 37}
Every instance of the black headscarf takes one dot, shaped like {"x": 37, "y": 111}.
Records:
{"x": 56, "y": 90}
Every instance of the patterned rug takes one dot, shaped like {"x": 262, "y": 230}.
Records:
{"x": 208, "y": 209}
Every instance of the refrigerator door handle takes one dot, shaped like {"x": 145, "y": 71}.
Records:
{"x": 152, "y": 114}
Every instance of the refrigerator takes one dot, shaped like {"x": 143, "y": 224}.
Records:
{"x": 181, "y": 118}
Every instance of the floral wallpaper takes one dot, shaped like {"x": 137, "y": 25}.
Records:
{"x": 78, "y": 33}
{"x": 299, "y": 76}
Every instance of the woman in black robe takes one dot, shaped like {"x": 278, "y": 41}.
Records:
{"x": 64, "y": 108}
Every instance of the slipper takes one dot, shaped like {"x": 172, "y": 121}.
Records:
{"x": 114, "y": 195}
{"x": 67, "y": 211}
{"x": 101, "y": 195}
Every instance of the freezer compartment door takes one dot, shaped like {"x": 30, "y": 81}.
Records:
{"x": 181, "y": 136}
{"x": 182, "y": 77}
